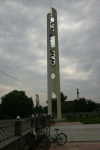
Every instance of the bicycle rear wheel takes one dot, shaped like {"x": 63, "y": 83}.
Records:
{"x": 44, "y": 141}
{"x": 61, "y": 139}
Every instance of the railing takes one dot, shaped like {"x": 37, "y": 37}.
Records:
{"x": 7, "y": 127}
{"x": 26, "y": 124}
{"x": 6, "y": 130}
{"x": 41, "y": 122}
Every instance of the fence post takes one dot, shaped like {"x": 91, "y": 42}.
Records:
{"x": 18, "y": 131}
{"x": 31, "y": 122}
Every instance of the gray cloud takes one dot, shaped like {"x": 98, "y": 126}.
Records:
{"x": 23, "y": 47}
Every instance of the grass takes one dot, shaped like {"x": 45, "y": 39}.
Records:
{"x": 91, "y": 120}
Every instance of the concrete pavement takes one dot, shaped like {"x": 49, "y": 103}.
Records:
{"x": 79, "y": 132}
{"x": 79, "y": 136}
{"x": 76, "y": 134}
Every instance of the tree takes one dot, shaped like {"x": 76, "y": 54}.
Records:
{"x": 2, "y": 116}
{"x": 16, "y": 103}
{"x": 91, "y": 106}
{"x": 45, "y": 109}
{"x": 84, "y": 105}
{"x": 63, "y": 97}
{"x": 39, "y": 109}
{"x": 81, "y": 105}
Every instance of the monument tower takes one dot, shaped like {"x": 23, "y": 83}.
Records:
{"x": 53, "y": 74}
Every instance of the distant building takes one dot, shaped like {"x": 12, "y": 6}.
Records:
{"x": 69, "y": 104}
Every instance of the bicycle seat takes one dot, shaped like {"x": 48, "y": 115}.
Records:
{"x": 56, "y": 129}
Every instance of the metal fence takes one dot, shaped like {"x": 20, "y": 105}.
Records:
{"x": 40, "y": 122}
{"x": 7, "y": 127}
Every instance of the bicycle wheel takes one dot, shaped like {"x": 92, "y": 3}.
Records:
{"x": 44, "y": 141}
{"x": 61, "y": 139}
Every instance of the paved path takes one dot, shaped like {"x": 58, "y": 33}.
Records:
{"x": 79, "y": 132}
{"x": 76, "y": 132}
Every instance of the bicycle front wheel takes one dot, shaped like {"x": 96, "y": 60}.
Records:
{"x": 61, "y": 139}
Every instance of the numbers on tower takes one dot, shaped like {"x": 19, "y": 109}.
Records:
{"x": 52, "y": 57}
{"x": 52, "y": 42}
{"x": 52, "y": 26}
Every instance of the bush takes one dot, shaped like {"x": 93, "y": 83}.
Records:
{"x": 87, "y": 115}
{"x": 91, "y": 120}
{"x": 80, "y": 116}
{"x": 3, "y": 117}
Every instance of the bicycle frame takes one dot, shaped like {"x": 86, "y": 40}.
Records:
{"x": 53, "y": 139}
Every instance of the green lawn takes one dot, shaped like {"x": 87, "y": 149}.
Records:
{"x": 92, "y": 120}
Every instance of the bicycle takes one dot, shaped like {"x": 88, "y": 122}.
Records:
{"x": 60, "y": 138}
{"x": 38, "y": 140}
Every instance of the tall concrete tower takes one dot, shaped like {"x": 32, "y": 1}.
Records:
{"x": 53, "y": 74}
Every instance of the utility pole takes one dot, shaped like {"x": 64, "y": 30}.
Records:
{"x": 37, "y": 104}
{"x": 77, "y": 94}
{"x": 37, "y": 100}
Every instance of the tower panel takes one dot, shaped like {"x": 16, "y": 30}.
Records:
{"x": 53, "y": 62}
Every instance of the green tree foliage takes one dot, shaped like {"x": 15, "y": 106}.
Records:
{"x": 38, "y": 110}
{"x": 16, "y": 103}
{"x": 84, "y": 105}
{"x": 45, "y": 109}
{"x": 2, "y": 116}
{"x": 63, "y": 97}
{"x": 81, "y": 105}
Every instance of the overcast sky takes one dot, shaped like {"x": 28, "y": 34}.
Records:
{"x": 23, "y": 47}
